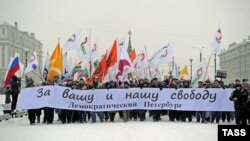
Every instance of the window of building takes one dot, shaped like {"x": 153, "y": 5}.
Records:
{"x": 3, "y": 56}
{"x": 3, "y": 31}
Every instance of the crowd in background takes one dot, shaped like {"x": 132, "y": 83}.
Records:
{"x": 240, "y": 96}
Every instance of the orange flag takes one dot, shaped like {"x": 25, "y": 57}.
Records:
{"x": 184, "y": 71}
{"x": 55, "y": 52}
{"x": 56, "y": 63}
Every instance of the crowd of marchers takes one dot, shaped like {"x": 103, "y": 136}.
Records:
{"x": 240, "y": 96}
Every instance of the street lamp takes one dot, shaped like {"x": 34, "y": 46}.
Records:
{"x": 200, "y": 50}
{"x": 191, "y": 69}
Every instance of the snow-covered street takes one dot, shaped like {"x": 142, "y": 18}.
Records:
{"x": 19, "y": 129}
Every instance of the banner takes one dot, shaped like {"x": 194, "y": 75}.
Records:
{"x": 189, "y": 99}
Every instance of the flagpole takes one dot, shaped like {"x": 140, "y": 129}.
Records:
{"x": 148, "y": 61}
{"x": 215, "y": 66}
{"x": 207, "y": 68}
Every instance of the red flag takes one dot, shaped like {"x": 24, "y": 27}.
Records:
{"x": 112, "y": 58}
{"x": 100, "y": 70}
{"x": 132, "y": 55}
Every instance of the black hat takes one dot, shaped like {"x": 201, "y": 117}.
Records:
{"x": 237, "y": 80}
{"x": 238, "y": 85}
{"x": 244, "y": 80}
{"x": 154, "y": 79}
{"x": 126, "y": 82}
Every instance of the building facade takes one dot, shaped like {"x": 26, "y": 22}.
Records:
{"x": 12, "y": 41}
{"x": 236, "y": 60}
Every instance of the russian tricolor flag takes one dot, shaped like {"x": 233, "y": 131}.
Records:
{"x": 12, "y": 69}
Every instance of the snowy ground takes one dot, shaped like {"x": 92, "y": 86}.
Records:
{"x": 19, "y": 129}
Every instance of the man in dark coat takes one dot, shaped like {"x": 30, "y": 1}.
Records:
{"x": 15, "y": 89}
{"x": 240, "y": 98}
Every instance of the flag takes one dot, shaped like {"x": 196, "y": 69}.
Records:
{"x": 184, "y": 71}
{"x": 20, "y": 72}
{"x": 199, "y": 74}
{"x": 162, "y": 56}
{"x": 56, "y": 67}
{"x": 94, "y": 58}
{"x": 66, "y": 64}
{"x": 33, "y": 63}
{"x": 132, "y": 55}
{"x": 11, "y": 70}
{"x": 216, "y": 42}
{"x": 120, "y": 44}
{"x": 112, "y": 58}
{"x": 143, "y": 59}
{"x": 55, "y": 53}
{"x": 100, "y": 69}
{"x": 84, "y": 50}
{"x": 46, "y": 66}
{"x": 73, "y": 42}
{"x": 94, "y": 52}
{"x": 125, "y": 65}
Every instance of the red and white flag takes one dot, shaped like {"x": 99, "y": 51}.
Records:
{"x": 125, "y": 65}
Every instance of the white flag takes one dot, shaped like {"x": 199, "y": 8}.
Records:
{"x": 199, "y": 74}
{"x": 33, "y": 63}
{"x": 73, "y": 42}
{"x": 46, "y": 66}
{"x": 120, "y": 44}
{"x": 143, "y": 59}
{"x": 84, "y": 50}
{"x": 94, "y": 52}
{"x": 216, "y": 42}
{"x": 66, "y": 64}
{"x": 162, "y": 56}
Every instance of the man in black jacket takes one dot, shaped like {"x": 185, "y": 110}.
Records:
{"x": 15, "y": 89}
{"x": 173, "y": 114}
{"x": 240, "y": 98}
{"x": 156, "y": 113}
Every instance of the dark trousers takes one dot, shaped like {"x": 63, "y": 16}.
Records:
{"x": 156, "y": 115}
{"x": 174, "y": 115}
{"x": 142, "y": 114}
{"x": 106, "y": 116}
{"x": 49, "y": 115}
{"x": 32, "y": 115}
{"x": 82, "y": 116}
{"x": 226, "y": 116}
{"x": 112, "y": 116}
{"x": 186, "y": 114}
{"x": 14, "y": 101}
{"x": 133, "y": 114}
{"x": 216, "y": 116}
{"x": 201, "y": 115}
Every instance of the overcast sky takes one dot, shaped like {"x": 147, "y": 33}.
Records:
{"x": 154, "y": 23}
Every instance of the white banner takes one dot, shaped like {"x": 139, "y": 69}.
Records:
{"x": 190, "y": 99}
